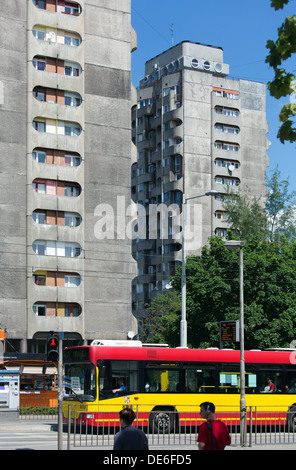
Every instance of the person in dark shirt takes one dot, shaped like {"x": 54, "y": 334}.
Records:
{"x": 130, "y": 437}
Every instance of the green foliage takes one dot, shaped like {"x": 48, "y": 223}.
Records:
{"x": 246, "y": 216}
{"x": 38, "y": 410}
{"x": 279, "y": 4}
{"x": 213, "y": 295}
{"x": 162, "y": 319}
{"x": 283, "y": 83}
{"x": 212, "y": 279}
{"x": 280, "y": 207}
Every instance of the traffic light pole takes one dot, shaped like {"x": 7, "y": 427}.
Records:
{"x": 60, "y": 393}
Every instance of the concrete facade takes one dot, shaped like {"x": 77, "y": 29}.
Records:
{"x": 195, "y": 130}
{"x": 84, "y": 54}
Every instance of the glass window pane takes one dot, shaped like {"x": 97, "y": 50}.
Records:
{"x": 162, "y": 378}
{"x": 200, "y": 379}
{"x": 68, "y": 100}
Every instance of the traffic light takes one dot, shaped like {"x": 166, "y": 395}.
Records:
{"x": 53, "y": 348}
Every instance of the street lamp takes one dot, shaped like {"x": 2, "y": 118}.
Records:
{"x": 183, "y": 325}
{"x": 233, "y": 245}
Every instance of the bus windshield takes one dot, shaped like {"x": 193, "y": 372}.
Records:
{"x": 80, "y": 382}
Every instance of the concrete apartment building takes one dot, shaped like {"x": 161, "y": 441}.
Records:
{"x": 195, "y": 130}
{"x": 65, "y": 90}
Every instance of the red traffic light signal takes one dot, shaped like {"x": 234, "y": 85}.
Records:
{"x": 53, "y": 348}
{"x": 53, "y": 342}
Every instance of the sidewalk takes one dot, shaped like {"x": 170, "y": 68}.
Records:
{"x": 28, "y": 425}
{"x": 41, "y": 426}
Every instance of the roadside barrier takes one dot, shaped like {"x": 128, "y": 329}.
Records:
{"x": 87, "y": 427}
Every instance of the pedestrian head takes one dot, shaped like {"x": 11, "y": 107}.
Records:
{"x": 207, "y": 407}
{"x": 127, "y": 416}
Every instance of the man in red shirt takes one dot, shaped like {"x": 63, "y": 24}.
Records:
{"x": 220, "y": 437}
{"x": 271, "y": 385}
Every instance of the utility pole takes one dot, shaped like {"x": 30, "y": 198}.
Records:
{"x": 60, "y": 393}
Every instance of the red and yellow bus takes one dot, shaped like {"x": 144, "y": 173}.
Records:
{"x": 166, "y": 384}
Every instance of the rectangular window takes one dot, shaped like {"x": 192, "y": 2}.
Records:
{"x": 289, "y": 384}
{"x": 39, "y": 248}
{"x": 72, "y": 251}
{"x": 39, "y": 217}
{"x": 162, "y": 378}
{"x": 72, "y": 71}
{"x": 275, "y": 374}
{"x": 40, "y": 4}
{"x": 71, "y": 10}
{"x": 39, "y": 310}
{"x": 71, "y": 100}
{"x": 68, "y": 130}
{"x": 71, "y": 311}
{"x": 199, "y": 378}
{"x": 72, "y": 220}
{"x": 39, "y": 187}
{"x": 40, "y": 95}
{"x": 72, "y": 130}
{"x": 72, "y": 281}
{"x": 71, "y": 41}
{"x": 127, "y": 373}
{"x": 71, "y": 160}
{"x": 229, "y": 379}
{"x": 39, "y": 64}
{"x": 39, "y": 126}
{"x": 72, "y": 191}
{"x": 39, "y": 279}
{"x": 39, "y": 34}
{"x": 39, "y": 157}
{"x": 69, "y": 251}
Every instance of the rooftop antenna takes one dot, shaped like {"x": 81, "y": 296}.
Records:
{"x": 172, "y": 32}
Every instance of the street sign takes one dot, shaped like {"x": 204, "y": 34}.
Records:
{"x": 229, "y": 331}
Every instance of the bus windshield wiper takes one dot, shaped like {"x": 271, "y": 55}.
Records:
{"x": 74, "y": 393}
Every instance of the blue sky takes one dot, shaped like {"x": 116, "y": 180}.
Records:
{"x": 240, "y": 27}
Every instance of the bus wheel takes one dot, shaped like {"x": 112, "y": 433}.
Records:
{"x": 162, "y": 420}
{"x": 291, "y": 419}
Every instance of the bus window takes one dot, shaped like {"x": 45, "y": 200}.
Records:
{"x": 117, "y": 374}
{"x": 276, "y": 376}
{"x": 289, "y": 385}
{"x": 81, "y": 381}
{"x": 162, "y": 378}
{"x": 200, "y": 379}
{"x": 251, "y": 382}
{"x": 127, "y": 371}
{"x": 229, "y": 380}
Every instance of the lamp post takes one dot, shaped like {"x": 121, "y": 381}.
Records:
{"x": 233, "y": 245}
{"x": 183, "y": 324}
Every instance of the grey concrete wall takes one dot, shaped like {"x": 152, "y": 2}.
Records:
{"x": 106, "y": 267}
{"x": 109, "y": 266}
{"x": 13, "y": 136}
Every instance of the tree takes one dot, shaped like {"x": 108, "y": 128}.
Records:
{"x": 246, "y": 215}
{"x": 213, "y": 295}
{"x": 280, "y": 207}
{"x": 161, "y": 319}
{"x": 283, "y": 83}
